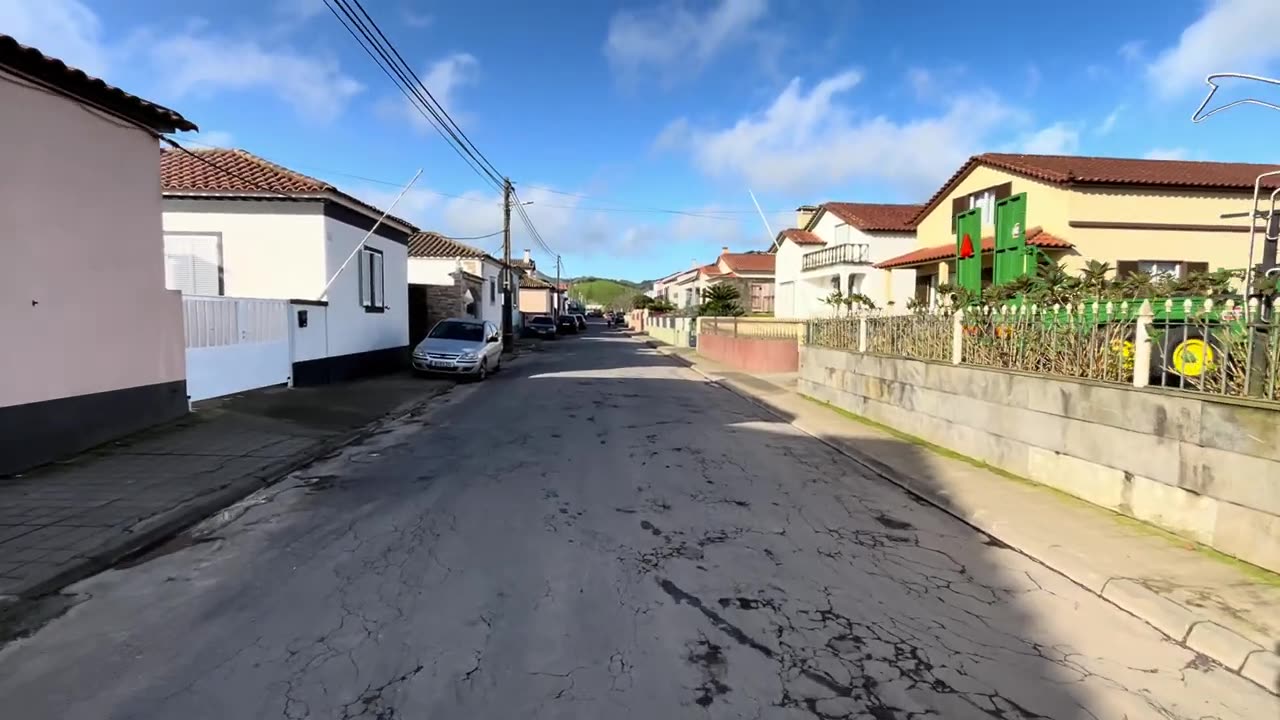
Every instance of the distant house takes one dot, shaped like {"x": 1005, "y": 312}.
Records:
{"x": 834, "y": 247}
{"x": 448, "y": 278}
{"x": 538, "y": 297}
{"x": 92, "y": 343}
{"x": 238, "y": 225}
{"x": 752, "y": 273}
{"x": 1136, "y": 215}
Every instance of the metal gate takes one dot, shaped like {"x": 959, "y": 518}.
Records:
{"x": 235, "y": 344}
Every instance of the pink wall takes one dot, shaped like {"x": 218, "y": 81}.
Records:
{"x": 764, "y": 355}
{"x": 83, "y": 307}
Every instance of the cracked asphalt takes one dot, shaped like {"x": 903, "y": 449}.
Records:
{"x": 598, "y": 533}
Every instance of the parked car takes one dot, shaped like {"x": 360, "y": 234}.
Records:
{"x": 460, "y": 346}
{"x": 541, "y": 326}
{"x": 595, "y": 312}
{"x": 567, "y": 325}
{"x": 582, "y": 321}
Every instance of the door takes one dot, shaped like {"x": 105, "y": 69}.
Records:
{"x": 235, "y": 344}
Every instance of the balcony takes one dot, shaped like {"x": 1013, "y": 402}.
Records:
{"x": 852, "y": 253}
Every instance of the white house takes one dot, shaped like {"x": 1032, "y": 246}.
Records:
{"x": 448, "y": 278}
{"x": 92, "y": 343}
{"x": 834, "y": 247}
{"x": 237, "y": 225}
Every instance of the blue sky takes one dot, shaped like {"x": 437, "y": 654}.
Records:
{"x": 602, "y": 111}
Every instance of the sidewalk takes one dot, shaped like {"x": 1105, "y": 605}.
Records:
{"x": 1215, "y": 605}
{"x": 68, "y": 520}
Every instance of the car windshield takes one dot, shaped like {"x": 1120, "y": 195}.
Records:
{"x": 458, "y": 331}
{"x": 541, "y": 320}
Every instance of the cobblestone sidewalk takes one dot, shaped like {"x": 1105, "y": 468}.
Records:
{"x": 70, "y": 519}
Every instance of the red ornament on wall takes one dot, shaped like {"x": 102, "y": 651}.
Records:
{"x": 966, "y": 247}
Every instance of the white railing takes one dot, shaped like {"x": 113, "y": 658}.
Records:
{"x": 220, "y": 321}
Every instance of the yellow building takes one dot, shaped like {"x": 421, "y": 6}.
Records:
{"x": 1157, "y": 216}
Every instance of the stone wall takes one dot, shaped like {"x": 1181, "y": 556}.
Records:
{"x": 1206, "y": 469}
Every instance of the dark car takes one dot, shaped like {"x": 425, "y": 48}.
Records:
{"x": 540, "y": 326}
{"x": 567, "y": 325}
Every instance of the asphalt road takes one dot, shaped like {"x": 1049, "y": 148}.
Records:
{"x": 597, "y": 533}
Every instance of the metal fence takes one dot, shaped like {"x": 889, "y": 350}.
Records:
{"x": 764, "y": 328}
{"x": 1188, "y": 345}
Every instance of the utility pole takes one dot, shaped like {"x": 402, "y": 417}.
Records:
{"x": 508, "y": 339}
{"x": 559, "y": 296}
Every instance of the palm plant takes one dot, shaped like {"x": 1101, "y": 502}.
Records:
{"x": 721, "y": 301}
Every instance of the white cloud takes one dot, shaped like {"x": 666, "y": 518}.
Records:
{"x": 922, "y": 83}
{"x": 213, "y": 138}
{"x": 444, "y": 78}
{"x": 1056, "y": 139}
{"x": 1109, "y": 122}
{"x": 65, "y": 29}
{"x": 417, "y": 19}
{"x": 204, "y": 66}
{"x": 1231, "y": 36}
{"x": 1177, "y": 153}
{"x": 804, "y": 141}
{"x": 674, "y": 39}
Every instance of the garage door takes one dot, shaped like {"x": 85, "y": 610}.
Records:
{"x": 235, "y": 344}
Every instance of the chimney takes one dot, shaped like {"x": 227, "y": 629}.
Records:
{"x": 527, "y": 256}
{"x": 804, "y": 214}
{"x": 693, "y": 264}
{"x": 724, "y": 249}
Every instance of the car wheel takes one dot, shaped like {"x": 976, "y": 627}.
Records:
{"x": 498, "y": 365}
{"x": 482, "y": 372}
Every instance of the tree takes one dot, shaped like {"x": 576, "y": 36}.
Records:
{"x": 661, "y": 305}
{"x": 721, "y": 301}
{"x": 641, "y": 302}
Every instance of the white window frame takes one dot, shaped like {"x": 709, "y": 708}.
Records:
{"x": 1156, "y": 268}
{"x": 843, "y": 234}
{"x": 987, "y": 201}
{"x": 178, "y": 251}
{"x": 373, "y": 280}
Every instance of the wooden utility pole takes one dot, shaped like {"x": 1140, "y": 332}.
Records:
{"x": 508, "y": 336}
{"x": 559, "y": 296}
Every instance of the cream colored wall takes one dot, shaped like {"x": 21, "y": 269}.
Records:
{"x": 269, "y": 249}
{"x": 1220, "y": 250}
{"x": 535, "y": 300}
{"x": 1047, "y": 206}
{"x": 83, "y": 306}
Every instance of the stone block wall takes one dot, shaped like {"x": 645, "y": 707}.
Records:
{"x": 1204, "y": 468}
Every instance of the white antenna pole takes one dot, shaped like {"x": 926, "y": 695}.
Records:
{"x": 773, "y": 239}
{"x": 365, "y": 239}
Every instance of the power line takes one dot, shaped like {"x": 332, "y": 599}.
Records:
{"x": 353, "y": 24}
{"x": 443, "y": 111}
{"x": 222, "y": 169}
{"x": 473, "y": 237}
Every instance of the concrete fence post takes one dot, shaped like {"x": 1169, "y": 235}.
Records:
{"x": 1142, "y": 345}
{"x": 957, "y": 337}
{"x": 862, "y": 333}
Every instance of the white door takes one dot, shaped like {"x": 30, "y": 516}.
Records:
{"x": 786, "y": 301}
{"x": 235, "y": 344}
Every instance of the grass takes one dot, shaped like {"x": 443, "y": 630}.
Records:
{"x": 1255, "y": 573}
{"x": 600, "y": 291}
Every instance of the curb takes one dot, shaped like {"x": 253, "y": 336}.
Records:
{"x": 160, "y": 527}
{"x": 1233, "y": 651}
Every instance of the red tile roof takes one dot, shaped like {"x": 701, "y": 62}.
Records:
{"x": 712, "y": 269}
{"x": 750, "y": 262}
{"x": 239, "y": 173}
{"x": 54, "y": 73}
{"x": 1035, "y": 238}
{"x": 1069, "y": 170}
{"x": 435, "y": 245}
{"x": 800, "y": 237}
{"x": 873, "y": 217}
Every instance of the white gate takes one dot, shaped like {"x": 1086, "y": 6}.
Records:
{"x": 235, "y": 344}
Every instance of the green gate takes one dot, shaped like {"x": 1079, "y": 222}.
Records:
{"x": 1010, "y": 260}
{"x": 969, "y": 251}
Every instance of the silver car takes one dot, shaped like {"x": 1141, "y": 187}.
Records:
{"x": 460, "y": 346}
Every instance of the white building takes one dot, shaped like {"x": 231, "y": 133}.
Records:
{"x": 448, "y": 278}
{"x": 238, "y": 225}
{"x": 92, "y": 343}
{"x": 834, "y": 247}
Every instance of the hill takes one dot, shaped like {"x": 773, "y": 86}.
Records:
{"x": 602, "y": 291}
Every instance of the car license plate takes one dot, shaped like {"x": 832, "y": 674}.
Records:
{"x": 441, "y": 364}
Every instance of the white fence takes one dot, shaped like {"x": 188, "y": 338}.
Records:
{"x": 235, "y": 344}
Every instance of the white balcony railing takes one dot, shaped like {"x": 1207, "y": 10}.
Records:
{"x": 852, "y": 253}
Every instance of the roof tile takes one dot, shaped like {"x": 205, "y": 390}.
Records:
{"x": 874, "y": 217}
{"x": 800, "y": 237}
{"x": 1036, "y": 237}
{"x": 756, "y": 262}
{"x": 434, "y": 245}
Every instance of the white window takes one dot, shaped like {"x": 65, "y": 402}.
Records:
{"x": 987, "y": 201}
{"x": 1156, "y": 268}
{"x": 193, "y": 264}
{"x": 372, "y": 289}
{"x": 842, "y": 234}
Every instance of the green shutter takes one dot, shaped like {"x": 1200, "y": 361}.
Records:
{"x": 969, "y": 270}
{"x": 1010, "y": 261}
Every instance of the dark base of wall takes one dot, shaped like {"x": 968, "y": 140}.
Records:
{"x": 41, "y": 432}
{"x": 340, "y": 368}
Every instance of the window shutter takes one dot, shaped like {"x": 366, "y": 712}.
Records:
{"x": 205, "y": 265}
{"x": 1125, "y": 268}
{"x": 379, "y": 295}
{"x": 1003, "y": 191}
{"x": 1194, "y": 267}
{"x": 365, "y": 287}
{"x": 177, "y": 264}
{"x": 958, "y": 206}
